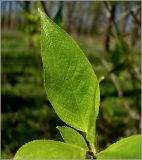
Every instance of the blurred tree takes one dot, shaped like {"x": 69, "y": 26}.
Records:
{"x": 111, "y": 11}
{"x": 44, "y": 7}
{"x": 96, "y": 15}
{"x": 58, "y": 19}
{"x": 69, "y": 15}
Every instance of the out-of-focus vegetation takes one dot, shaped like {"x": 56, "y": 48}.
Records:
{"x": 107, "y": 32}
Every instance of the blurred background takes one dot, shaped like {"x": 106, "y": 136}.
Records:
{"x": 108, "y": 33}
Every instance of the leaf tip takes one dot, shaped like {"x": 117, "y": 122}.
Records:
{"x": 40, "y": 11}
{"x": 101, "y": 79}
{"x": 58, "y": 127}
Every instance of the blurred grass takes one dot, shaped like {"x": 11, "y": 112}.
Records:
{"x": 26, "y": 111}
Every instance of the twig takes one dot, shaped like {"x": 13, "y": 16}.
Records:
{"x": 113, "y": 77}
{"x": 44, "y": 7}
{"x": 126, "y": 13}
{"x": 90, "y": 152}
{"x": 135, "y": 18}
{"x": 107, "y": 6}
{"x": 111, "y": 10}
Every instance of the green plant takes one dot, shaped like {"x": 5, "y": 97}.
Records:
{"x": 73, "y": 90}
{"x": 31, "y": 31}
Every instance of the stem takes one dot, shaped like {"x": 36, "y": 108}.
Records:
{"x": 90, "y": 152}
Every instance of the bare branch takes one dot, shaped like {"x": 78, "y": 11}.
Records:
{"x": 107, "y": 6}
{"x": 126, "y": 13}
{"x": 112, "y": 77}
{"x": 135, "y": 18}
{"x": 44, "y": 8}
{"x": 111, "y": 10}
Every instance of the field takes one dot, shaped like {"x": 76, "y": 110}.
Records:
{"x": 26, "y": 112}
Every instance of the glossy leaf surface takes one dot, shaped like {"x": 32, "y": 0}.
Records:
{"x": 91, "y": 132}
{"x": 73, "y": 137}
{"x": 69, "y": 77}
{"x": 127, "y": 148}
{"x": 40, "y": 149}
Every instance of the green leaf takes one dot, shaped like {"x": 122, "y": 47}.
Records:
{"x": 73, "y": 137}
{"x": 69, "y": 77}
{"x": 126, "y": 148}
{"x": 49, "y": 149}
{"x": 91, "y": 132}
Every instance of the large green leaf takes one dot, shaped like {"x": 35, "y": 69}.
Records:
{"x": 71, "y": 136}
{"x": 126, "y": 148}
{"x": 69, "y": 77}
{"x": 40, "y": 149}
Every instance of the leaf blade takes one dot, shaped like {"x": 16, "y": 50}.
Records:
{"x": 72, "y": 91}
{"x": 39, "y": 149}
{"x": 91, "y": 131}
{"x": 126, "y": 148}
{"x": 73, "y": 137}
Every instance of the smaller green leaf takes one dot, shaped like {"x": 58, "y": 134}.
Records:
{"x": 126, "y": 148}
{"x": 91, "y": 132}
{"x": 72, "y": 136}
{"x": 43, "y": 149}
